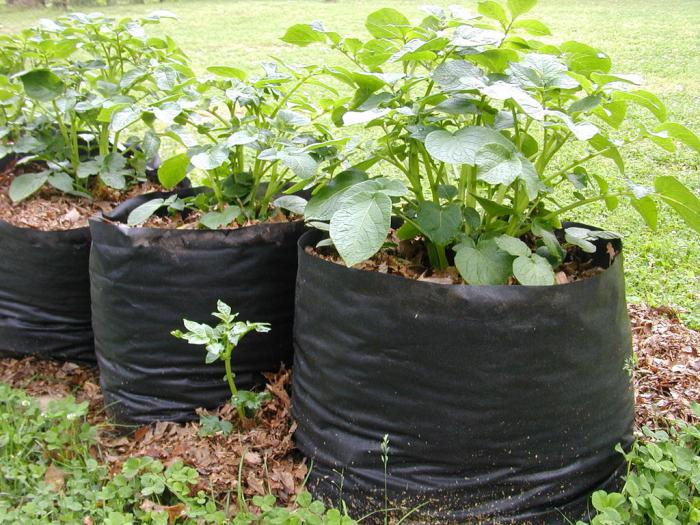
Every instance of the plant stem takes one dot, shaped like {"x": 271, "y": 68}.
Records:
{"x": 231, "y": 384}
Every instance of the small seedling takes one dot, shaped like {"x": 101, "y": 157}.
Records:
{"x": 220, "y": 342}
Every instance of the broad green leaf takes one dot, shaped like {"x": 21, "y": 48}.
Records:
{"x": 228, "y": 72}
{"x": 457, "y": 75}
{"x": 541, "y": 71}
{"x": 151, "y": 145}
{"x": 302, "y": 165}
{"x": 216, "y": 219}
{"x": 680, "y": 133}
{"x": 361, "y": 117}
{"x": 680, "y": 198}
{"x": 504, "y": 91}
{"x": 644, "y": 99}
{"x": 585, "y": 59}
{"x": 533, "y": 270}
{"x": 550, "y": 241}
{"x": 324, "y": 202}
{"x": 211, "y": 158}
{"x": 292, "y": 203}
{"x": 513, "y": 246}
{"x": 646, "y": 207}
{"x": 359, "y": 228}
{"x": 87, "y": 168}
{"x": 439, "y": 224}
{"x": 520, "y": 7}
{"x": 113, "y": 171}
{"x": 461, "y": 147}
{"x": 27, "y": 184}
{"x": 579, "y": 237}
{"x": 142, "y": 213}
{"x": 42, "y": 85}
{"x": 62, "y": 182}
{"x": 612, "y": 113}
{"x": 585, "y": 104}
{"x": 302, "y": 35}
{"x": 497, "y": 164}
{"x": 387, "y": 23}
{"x": 292, "y": 118}
{"x": 483, "y": 264}
{"x": 534, "y": 27}
{"x": 493, "y": 10}
{"x": 173, "y": 170}
{"x": 124, "y": 118}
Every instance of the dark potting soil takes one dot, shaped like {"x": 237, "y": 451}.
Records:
{"x": 52, "y": 210}
{"x": 409, "y": 259}
{"x": 190, "y": 221}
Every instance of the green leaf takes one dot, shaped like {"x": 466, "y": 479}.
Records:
{"x": 497, "y": 164}
{"x": 493, "y": 10}
{"x": 644, "y": 99}
{"x": 680, "y": 198}
{"x": 151, "y": 144}
{"x": 302, "y": 35}
{"x": 534, "y": 27}
{"x": 359, "y": 228}
{"x": 585, "y": 59}
{"x": 216, "y": 219}
{"x": 579, "y": 237}
{"x": 439, "y": 224}
{"x": 173, "y": 170}
{"x": 124, "y": 118}
{"x": 142, "y": 213}
{"x": 462, "y": 146}
{"x": 62, "y": 182}
{"x": 520, "y": 7}
{"x": 646, "y": 207}
{"x": 113, "y": 171}
{"x": 680, "y": 133}
{"x": 293, "y": 203}
{"x": 513, "y": 246}
{"x": 302, "y": 165}
{"x": 533, "y": 270}
{"x": 325, "y": 201}
{"x": 458, "y": 74}
{"x": 540, "y": 71}
{"x": 42, "y": 85}
{"x": 228, "y": 72}
{"x": 483, "y": 264}
{"x": 210, "y": 158}
{"x": 27, "y": 184}
{"x": 387, "y": 23}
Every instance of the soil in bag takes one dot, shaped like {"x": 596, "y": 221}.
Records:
{"x": 44, "y": 254}
{"x": 500, "y": 404}
{"x": 144, "y": 281}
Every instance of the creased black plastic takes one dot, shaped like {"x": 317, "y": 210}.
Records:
{"x": 45, "y": 293}
{"x": 146, "y": 280}
{"x": 503, "y": 404}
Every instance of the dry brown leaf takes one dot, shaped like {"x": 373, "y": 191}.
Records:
{"x": 55, "y": 478}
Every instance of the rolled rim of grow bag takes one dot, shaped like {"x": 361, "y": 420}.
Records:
{"x": 145, "y": 281}
{"x": 45, "y": 293}
{"x": 502, "y": 404}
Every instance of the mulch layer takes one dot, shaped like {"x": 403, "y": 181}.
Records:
{"x": 666, "y": 377}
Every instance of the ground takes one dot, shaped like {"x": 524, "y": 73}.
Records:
{"x": 656, "y": 38}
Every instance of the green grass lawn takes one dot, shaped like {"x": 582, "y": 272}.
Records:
{"x": 658, "y": 39}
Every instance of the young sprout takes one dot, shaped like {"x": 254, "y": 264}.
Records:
{"x": 220, "y": 341}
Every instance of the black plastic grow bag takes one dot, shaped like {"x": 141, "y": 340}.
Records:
{"x": 144, "y": 281}
{"x": 45, "y": 293}
{"x": 503, "y": 404}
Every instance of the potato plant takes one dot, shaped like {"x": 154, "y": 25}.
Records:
{"x": 220, "y": 341}
{"x": 84, "y": 100}
{"x": 475, "y": 113}
{"x": 249, "y": 139}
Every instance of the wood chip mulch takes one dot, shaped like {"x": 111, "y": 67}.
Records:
{"x": 667, "y": 381}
